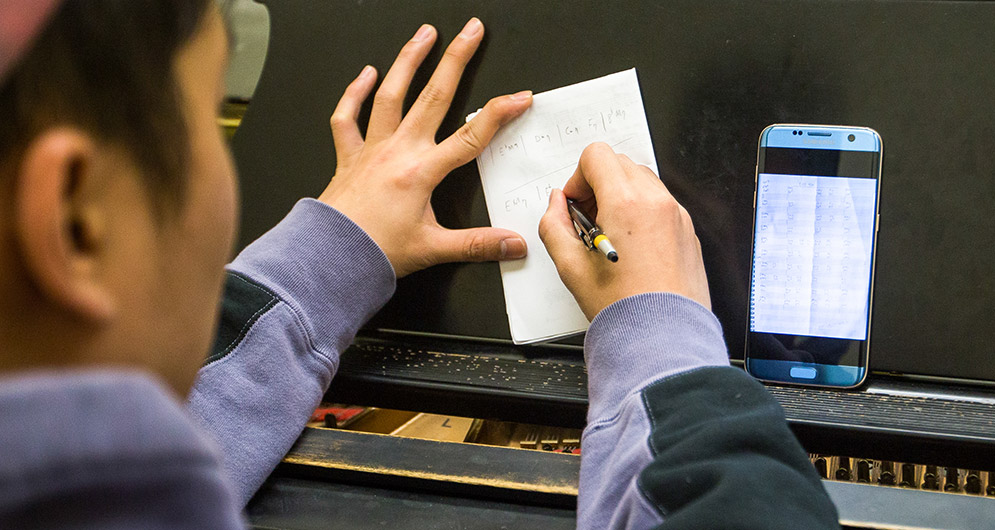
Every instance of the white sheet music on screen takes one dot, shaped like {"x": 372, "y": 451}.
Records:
{"x": 537, "y": 152}
{"x": 812, "y": 255}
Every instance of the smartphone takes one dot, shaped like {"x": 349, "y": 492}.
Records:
{"x": 815, "y": 223}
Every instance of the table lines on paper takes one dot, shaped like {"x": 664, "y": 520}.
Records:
{"x": 536, "y": 153}
{"x": 812, "y": 255}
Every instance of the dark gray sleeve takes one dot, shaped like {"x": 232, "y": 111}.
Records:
{"x": 723, "y": 457}
{"x": 678, "y": 439}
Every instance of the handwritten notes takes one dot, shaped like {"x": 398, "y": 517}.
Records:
{"x": 537, "y": 152}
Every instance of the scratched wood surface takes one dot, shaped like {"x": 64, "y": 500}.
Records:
{"x": 368, "y": 480}
{"x": 465, "y": 464}
{"x": 937, "y": 423}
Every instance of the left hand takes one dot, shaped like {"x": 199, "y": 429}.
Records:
{"x": 385, "y": 182}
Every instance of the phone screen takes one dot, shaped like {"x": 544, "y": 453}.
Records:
{"x": 813, "y": 250}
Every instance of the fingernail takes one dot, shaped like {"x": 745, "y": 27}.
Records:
{"x": 471, "y": 28}
{"x": 512, "y": 248}
{"x": 366, "y": 73}
{"x": 424, "y": 32}
{"x": 520, "y": 96}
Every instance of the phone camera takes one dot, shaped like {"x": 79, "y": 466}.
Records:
{"x": 851, "y": 137}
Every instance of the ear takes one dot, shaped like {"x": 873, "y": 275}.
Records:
{"x": 57, "y": 227}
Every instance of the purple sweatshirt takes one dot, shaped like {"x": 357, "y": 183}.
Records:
{"x": 115, "y": 450}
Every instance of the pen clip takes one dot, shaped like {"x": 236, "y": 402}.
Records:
{"x": 584, "y": 236}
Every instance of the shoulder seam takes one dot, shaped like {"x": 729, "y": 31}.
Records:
{"x": 645, "y": 496}
{"x": 251, "y": 321}
{"x": 596, "y": 425}
{"x": 648, "y": 409}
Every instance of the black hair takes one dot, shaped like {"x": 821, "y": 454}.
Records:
{"x": 106, "y": 67}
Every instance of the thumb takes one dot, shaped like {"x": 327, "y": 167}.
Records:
{"x": 558, "y": 234}
{"x": 479, "y": 244}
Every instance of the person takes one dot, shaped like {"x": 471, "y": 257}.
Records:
{"x": 117, "y": 215}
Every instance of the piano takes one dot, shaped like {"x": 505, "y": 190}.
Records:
{"x": 913, "y": 448}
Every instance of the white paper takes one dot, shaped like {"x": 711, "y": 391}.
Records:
{"x": 537, "y": 152}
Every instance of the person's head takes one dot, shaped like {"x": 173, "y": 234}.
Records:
{"x": 117, "y": 192}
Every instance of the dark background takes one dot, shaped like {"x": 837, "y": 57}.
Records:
{"x": 713, "y": 75}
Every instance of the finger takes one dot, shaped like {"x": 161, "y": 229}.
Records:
{"x": 345, "y": 131}
{"x": 432, "y": 104}
{"x": 577, "y": 187}
{"x": 389, "y": 100}
{"x": 597, "y": 171}
{"x": 557, "y": 233}
{"x": 469, "y": 140}
{"x": 589, "y": 207}
{"x": 479, "y": 244}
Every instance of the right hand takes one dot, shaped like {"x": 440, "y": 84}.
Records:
{"x": 653, "y": 234}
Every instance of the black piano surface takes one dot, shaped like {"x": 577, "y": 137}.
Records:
{"x": 713, "y": 74}
{"x": 889, "y": 419}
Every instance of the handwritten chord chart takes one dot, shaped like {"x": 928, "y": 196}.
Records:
{"x": 812, "y": 255}
{"x": 536, "y": 152}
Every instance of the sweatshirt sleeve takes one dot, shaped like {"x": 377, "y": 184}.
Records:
{"x": 676, "y": 438}
{"x": 294, "y": 300}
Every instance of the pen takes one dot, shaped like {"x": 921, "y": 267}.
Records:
{"x": 589, "y": 233}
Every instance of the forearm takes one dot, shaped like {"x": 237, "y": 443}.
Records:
{"x": 294, "y": 300}
{"x": 678, "y": 439}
